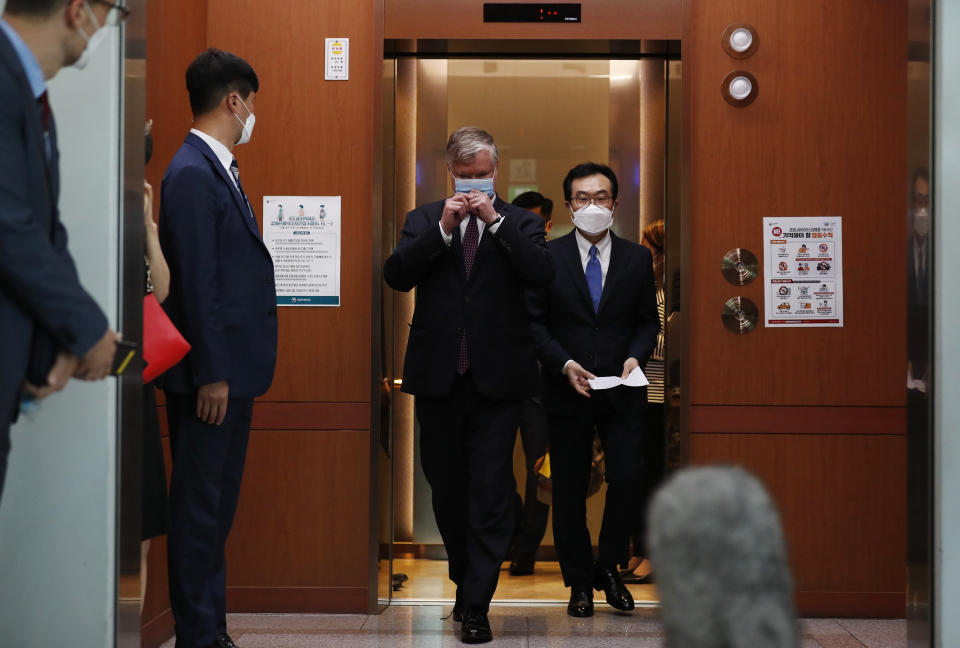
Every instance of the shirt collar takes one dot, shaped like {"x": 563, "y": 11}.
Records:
{"x": 38, "y": 85}
{"x": 602, "y": 247}
{"x": 222, "y": 152}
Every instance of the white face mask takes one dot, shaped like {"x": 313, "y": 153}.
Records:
{"x": 593, "y": 219}
{"x": 93, "y": 41}
{"x": 247, "y": 125}
{"x": 921, "y": 221}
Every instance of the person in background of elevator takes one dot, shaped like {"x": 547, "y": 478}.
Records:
{"x": 470, "y": 360}
{"x": 597, "y": 317}
{"x": 223, "y": 300}
{"x": 52, "y": 329}
{"x": 539, "y": 204}
{"x": 532, "y": 523}
{"x": 654, "y": 452}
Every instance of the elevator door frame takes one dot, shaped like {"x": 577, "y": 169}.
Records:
{"x": 395, "y": 49}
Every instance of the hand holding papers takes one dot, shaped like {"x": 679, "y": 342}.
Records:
{"x": 635, "y": 379}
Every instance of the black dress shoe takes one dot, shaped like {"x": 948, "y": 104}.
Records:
{"x": 522, "y": 566}
{"x": 476, "y": 628}
{"x": 581, "y": 602}
{"x": 457, "y": 612}
{"x": 224, "y": 641}
{"x": 608, "y": 580}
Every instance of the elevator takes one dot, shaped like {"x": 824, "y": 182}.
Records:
{"x": 550, "y": 105}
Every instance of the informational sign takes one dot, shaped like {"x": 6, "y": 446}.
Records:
{"x": 803, "y": 271}
{"x": 338, "y": 59}
{"x": 303, "y": 236}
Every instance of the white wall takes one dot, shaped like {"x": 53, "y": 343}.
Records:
{"x": 57, "y": 517}
{"x": 946, "y": 317}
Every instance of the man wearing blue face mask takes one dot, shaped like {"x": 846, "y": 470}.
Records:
{"x": 223, "y": 300}
{"x": 470, "y": 360}
{"x": 52, "y": 329}
{"x": 598, "y": 317}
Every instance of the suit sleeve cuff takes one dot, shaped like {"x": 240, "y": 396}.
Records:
{"x": 564, "y": 369}
{"x": 496, "y": 226}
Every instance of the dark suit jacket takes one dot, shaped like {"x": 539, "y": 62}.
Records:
{"x": 566, "y": 327}
{"x": 42, "y": 305}
{"x": 222, "y": 295}
{"x": 918, "y": 314}
{"x": 489, "y": 305}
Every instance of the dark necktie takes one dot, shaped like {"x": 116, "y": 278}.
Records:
{"x": 45, "y": 116}
{"x": 470, "y": 240}
{"x": 594, "y": 277}
{"x": 44, "y": 104}
{"x": 235, "y": 172}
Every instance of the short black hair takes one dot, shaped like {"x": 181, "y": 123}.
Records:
{"x": 33, "y": 7}
{"x": 585, "y": 170}
{"x": 213, "y": 75}
{"x": 534, "y": 199}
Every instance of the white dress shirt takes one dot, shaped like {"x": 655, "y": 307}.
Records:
{"x": 222, "y": 152}
{"x": 603, "y": 256}
{"x": 448, "y": 238}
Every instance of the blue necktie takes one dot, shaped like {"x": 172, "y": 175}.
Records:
{"x": 594, "y": 278}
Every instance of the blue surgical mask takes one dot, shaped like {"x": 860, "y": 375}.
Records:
{"x": 466, "y": 185}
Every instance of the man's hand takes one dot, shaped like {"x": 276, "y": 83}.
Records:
{"x": 629, "y": 366}
{"x": 482, "y": 206}
{"x": 455, "y": 209}
{"x": 212, "y": 402}
{"x": 98, "y": 362}
{"x": 63, "y": 368}
{"x": 578, "y": 377}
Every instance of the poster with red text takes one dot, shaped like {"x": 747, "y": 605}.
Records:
{"x": 803, "y": 271}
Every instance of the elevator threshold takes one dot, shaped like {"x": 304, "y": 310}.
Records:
{"x": 512, "y": 602}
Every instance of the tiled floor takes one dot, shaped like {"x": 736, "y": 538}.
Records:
{"x": 520, "y": 627}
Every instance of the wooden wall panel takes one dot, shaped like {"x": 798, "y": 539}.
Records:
{"x": 303, "y": 505}
{"x": 826, "y": 136}
{"x": 313, "y": 137}
{"x": 302, "y": 531}
{"x": 842, "y": 501}
{"x": 601, "y": 19}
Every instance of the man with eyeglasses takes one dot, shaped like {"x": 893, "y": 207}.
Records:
{"x": 52, "y": 329}
{"x": 598, "y": 317}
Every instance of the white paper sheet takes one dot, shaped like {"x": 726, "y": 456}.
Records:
{"x": 634, "y": 379}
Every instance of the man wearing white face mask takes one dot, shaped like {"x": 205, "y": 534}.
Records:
{"x": 222, "y": 298}
{"x": 52, "y": 329}
{"x": 598, "y": 317}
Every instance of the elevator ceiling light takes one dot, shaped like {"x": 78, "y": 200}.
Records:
{"x": 739, "y": 88}
{"x": 740, "y": 40}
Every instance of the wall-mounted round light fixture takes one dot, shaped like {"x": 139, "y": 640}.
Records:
{"x": 739, "y": 88}
{"x": 740, "y": 40}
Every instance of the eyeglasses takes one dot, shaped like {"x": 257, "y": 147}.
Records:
{"x": 583, "y": 200}
{"x": 117, "y": 14}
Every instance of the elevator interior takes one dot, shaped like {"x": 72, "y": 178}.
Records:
{"x": 549, "y": 108}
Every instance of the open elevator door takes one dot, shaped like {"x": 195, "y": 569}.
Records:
{"x": 550, "y": 105}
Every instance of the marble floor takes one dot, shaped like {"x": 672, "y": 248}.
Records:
{"x": 424, "y": 626}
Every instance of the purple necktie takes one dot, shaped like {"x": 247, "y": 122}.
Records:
{"x": 470, "y": 239}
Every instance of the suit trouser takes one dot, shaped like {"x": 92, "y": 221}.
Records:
{"x": 205, "y": 481}
{"x": 571, "y": 455}
{"x": 466, "y": 449}
{"x": 533, "y": 522}
{"x": 655, "y": 458}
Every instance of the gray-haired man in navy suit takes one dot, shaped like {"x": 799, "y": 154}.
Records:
{"x": 50, "y": 328}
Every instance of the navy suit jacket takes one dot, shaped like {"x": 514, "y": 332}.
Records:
{"x": 222, "y": 295}
{"x": 42, "y": 304}
{"x": 567, "y": 328}
{"x": 489, "y": 305}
